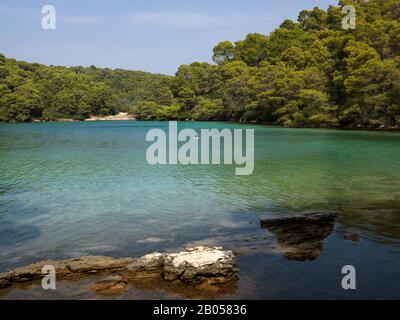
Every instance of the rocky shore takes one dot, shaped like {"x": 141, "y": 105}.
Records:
{"x": 202, "y": 271}
{"x": 205, "y": 267}
{"x": 122, "y": 116}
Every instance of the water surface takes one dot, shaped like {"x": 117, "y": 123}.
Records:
{"x": 71, "y": 189}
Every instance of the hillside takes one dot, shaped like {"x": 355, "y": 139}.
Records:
{"x": 31, "y": 91}
{"x": 309, "y": 73}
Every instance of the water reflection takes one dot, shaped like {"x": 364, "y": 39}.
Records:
{"x": 301, "y": 237}
{"x": 146, "y": 286}
{"x": 376, "y": 220}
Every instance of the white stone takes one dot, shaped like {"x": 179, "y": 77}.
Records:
{"x": 197, "y": 257}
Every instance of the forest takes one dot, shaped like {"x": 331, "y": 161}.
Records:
{"x": 30, "y": 91}
{"x": 306, "y": 73}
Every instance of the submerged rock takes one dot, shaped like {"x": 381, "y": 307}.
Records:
{"x": 301, "y": 237}
{"x": 194, "y": 265}
{"x": 110, "y": 285}
{"x": 352, "y": 236}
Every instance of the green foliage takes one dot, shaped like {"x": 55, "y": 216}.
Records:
{"x": 309, "y": 73}
{"x": 224, "y": 51}
{"x": 252, "y": 50}
{"x": 315, "y": 19}
{"x": 32, "y": 91}
{"x": 209, "y": 109}
{"x": 146, "y": 110}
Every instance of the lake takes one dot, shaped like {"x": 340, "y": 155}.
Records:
{"x": 72, "y": 189}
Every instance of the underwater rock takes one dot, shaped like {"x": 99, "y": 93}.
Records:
{"x": 110, "y": 285}
{"x": 352, "y": 236}
{"x": 301, "y": 237}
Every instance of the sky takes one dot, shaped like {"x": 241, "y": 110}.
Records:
{"x": 149, "y": 35}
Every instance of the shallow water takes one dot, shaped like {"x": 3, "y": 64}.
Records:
{"x": 71, "y": 189}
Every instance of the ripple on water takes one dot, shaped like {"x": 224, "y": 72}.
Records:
{"x": 87, "y": 188}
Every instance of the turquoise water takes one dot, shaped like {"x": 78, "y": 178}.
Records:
{"x": 71, "y": 189}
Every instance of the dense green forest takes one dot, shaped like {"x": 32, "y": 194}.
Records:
{"x": 30, "y": 91}
{"x": 309, "y": 73}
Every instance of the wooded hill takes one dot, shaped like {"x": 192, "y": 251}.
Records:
{"x": 309, "y": 73}
{"x": 31, "y": 91}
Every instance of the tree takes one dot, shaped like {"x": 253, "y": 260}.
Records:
{"x": 31, "y": 91}
{"x": 23, "y": 104}
{"x": 145, "y": 110}
{"x": 252, "y": 50}
{"x": 315, "y": 19}
{"x": 223, "y": 51}
{"x": 316, "y": 110}
{"x": 101, "y": 99}
{"x": 207, "y": 109}
{"x": 294, "y": 57}
{"x": 373, "y": 92}
{"x": 309, "y": 73}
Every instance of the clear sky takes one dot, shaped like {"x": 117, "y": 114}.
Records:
{"x": 149, "y": 35}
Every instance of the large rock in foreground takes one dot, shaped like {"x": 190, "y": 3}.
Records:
{"x": 197, "y": 264}
{"x": 194, "y": 265}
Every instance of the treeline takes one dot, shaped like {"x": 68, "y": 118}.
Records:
{"x": 309, "y": 73}
{"x": 30, "y": 91}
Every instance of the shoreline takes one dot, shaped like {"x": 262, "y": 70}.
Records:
{"x": 195, "y": 272}
{"x": 126, "y": 117}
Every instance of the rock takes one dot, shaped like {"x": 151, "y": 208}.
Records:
{"x": 115, "y": 278}
{"x": 66, "y": 120}
{"x": 4, "y": 282}
{"x": 93, "y": 264}
{"x": 209, "y": 287}
{"x": 65, "y": 268}
{"x": 110, "y": 284}
{"x": 32, "y": 271}
{"x": 352, "y": 237}
{"x": 191, "y": 266}
{"x": 122, "y": 116}
{"x": 148, "y": 262}
{"x": 301, "y": 237}
{"x": 199, "y": 263}
{"x": 153, "y": 240}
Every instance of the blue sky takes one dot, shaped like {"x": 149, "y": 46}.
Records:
{"x": 149, "y": 35}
